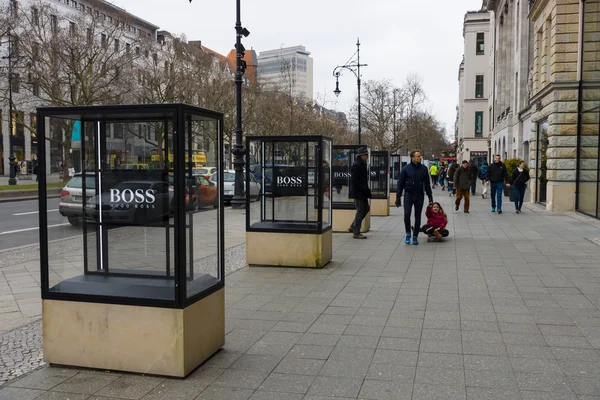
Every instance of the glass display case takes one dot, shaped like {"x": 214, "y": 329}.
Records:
{"x": 380, "y": 188}
{"x": 143, "y": 227}
{"x": 397, "y": 162}
{"x": 343, "y": 206}
{"x": 293, "y": 175}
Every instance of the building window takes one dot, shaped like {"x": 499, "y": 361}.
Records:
{"x": 35, "y": 16}
{"x": 54, "y": 23}
{"x": 117, "y": 45}
{"x": 480, "y": 43}
{"x": 478, "y": 124}
{"x": 35, "y": 88}
{"x": 15, "y": 83}
{"x": 137, "y": 51}
{"x": 14, "y": 8}
{"x": 89, "y": 35}
{"x": 72, "y": 29}
{"x": 479, "y": 86}
{"x": 103, "y": 41}
{"x": 118, "y": 131}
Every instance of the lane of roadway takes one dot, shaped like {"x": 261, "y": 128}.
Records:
{"x": 19, "y": 223}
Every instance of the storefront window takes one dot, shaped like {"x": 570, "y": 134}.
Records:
{"x": 541, "y": 160}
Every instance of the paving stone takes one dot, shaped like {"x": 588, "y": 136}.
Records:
{"x": 391, "y": 372}
{"x": 262, "y": 395}
{"x": 477, "y": 393}
{"x": 440, "y": 376}
{"x": 256, "y": 362}
{"x": 241, "y": 379}
{"x": 225, "y": 393}
{"x": 335, "y": 387}
{"x": 14, "y": 393}
{"x": 45, "y": 379}
{"x": 175, "y": 390}
{"x": 501, "y": 379}
{"x": 86, "y": 383}
{"x": 386, "y": 390}
{"x": 130, "y": 386}
{"x": 310, "y": 351}
{"x": 299, "y": 366}
{"x": 434, "y": 392}
{"x": 557, "y": 383}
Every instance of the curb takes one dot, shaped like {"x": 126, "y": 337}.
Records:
{"x": 23, "y": 195}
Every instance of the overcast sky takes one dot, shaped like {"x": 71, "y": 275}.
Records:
{"x": 398, "y": 37}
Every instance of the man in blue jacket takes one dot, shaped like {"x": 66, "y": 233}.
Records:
{"x": 414, "y": 181}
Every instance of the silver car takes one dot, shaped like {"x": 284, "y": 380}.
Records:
{"x": 229, "y": 183}
{"x": 71, "y": 197}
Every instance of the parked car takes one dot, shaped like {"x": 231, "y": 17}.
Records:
{"x": 71, "y": 197}
{"x": 229, "y": 182}
{"x": 132, "y": 203}
{"x": 207, "y": 172}
{"x": 204, "y": 192}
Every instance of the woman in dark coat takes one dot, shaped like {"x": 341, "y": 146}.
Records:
{"x": 518, "y": 181}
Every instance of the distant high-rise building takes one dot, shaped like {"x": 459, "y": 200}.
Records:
{"x": 289, "y": 68}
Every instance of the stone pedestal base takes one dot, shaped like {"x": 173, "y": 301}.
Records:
{"x": 342, "y": 219}
{"x": 147, "y": 340}
{"x": 380, "y": 207}
{"x": 392, "y": 199}
{"x": 289, "y": 249}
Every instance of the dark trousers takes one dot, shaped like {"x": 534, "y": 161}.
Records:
{"x": 473, "y": 186}
{"x": 434, "y": 180}
{"x": 411, "y": 201}
{"x": 428, "y": 230}
{"x": 496, "y": 194}
{"x": 519, "y": 196}
{"x": 362, "y": 209}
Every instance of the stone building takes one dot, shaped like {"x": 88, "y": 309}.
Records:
{"x": 566, "y": 95}
{"x": 546, "y": 97}
{"x": 473, "y": 78}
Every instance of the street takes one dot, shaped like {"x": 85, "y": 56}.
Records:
{"x": 19, "y": 223}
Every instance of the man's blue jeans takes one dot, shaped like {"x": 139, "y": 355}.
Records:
{"x": 496, "y": 195}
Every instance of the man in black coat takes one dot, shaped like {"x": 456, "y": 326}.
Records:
{"x": 414, "y": 181}
{"x": 359, "y": 191}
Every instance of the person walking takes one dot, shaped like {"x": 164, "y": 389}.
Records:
{"x": 474, "y": 170}
{"x": 414, "y": 182}
{"x": 496, "y": 176}
{"x": 462, "y": 183}
{"x": 433, "y": 171}
{"x": 442, "y": 176}
{"x": 483, "y": 176}
{"x": 451, "y": 172}
{"x": 359, "y": 191}
{"x": 519, "y": 183}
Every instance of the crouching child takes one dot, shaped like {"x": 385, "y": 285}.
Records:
{"x": 436, "y": 222}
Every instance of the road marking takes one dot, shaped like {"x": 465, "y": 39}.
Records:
{"x": 31, "y": 229}
{"x": 33, "y": 212}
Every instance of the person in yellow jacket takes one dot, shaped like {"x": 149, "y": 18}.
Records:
{"x": 433, "y": 171}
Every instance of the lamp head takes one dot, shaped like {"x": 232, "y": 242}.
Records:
{"x": 337, "y": 90}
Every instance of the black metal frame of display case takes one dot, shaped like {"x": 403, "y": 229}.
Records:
{"x": 284, "y": 226}
{"x": 347, "y": 205}
{"x": 394, "y": 172}
{"x": 375, "y": 174}
{"x": 101, "y": 115}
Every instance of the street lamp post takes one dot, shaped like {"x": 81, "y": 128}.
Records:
{"x": 11, "y": 158}
{"x": 355, "y": 68}
{"x": 239, "y": 198}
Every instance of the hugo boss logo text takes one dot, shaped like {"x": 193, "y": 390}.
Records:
{"x": 289, "y": 181}
{"x": 341, "y": 175}
{"x": 128, "y": 198}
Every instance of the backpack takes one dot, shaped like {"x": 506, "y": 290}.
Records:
{"x": 483, "y": 172}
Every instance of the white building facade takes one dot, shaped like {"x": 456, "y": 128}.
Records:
{"x": 289, "y": 68}
{"x": 510, "y": 130}
{"x": 473, "y": 78}
{"x": 21, "y": 135}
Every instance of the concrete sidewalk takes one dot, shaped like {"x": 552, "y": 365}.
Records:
{"x": 506, "y": 308}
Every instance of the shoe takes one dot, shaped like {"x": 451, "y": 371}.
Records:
{"x": 493, "y": 209}
{"x": 359, "y": 236}
{"x": 518, "y": 212}
{"x": 415, "y": 241}
{"x": 499, "y": 211}
{"x": 483, "y": 196}
{"x": 407, "y": 239}
{"x": 350, "y": 230}
{"x": 456, "y": 208}
{"x": 467, "y": 211}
